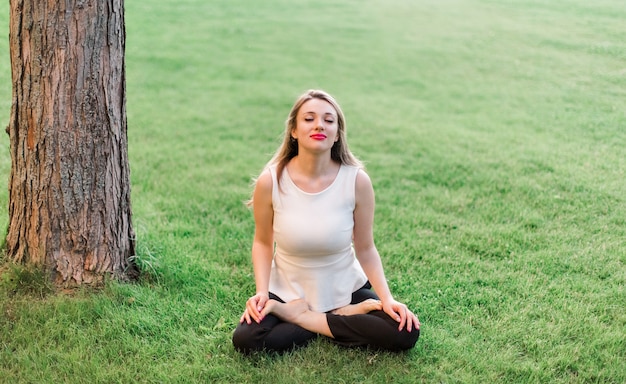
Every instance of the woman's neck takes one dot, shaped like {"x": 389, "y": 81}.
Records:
{"x": 312, "y": 166}
{"x": 312, "y": 174}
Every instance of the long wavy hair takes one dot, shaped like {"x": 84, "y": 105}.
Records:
{"x": 288, "y": 149}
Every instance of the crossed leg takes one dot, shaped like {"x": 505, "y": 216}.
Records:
{"x": 298, "y": 312}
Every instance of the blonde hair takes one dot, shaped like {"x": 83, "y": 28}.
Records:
{"x": 289, "y": 147}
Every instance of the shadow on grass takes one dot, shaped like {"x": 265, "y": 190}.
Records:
{"x": 24, "y": 280}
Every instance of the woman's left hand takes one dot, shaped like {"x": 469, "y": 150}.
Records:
{"x": 401, "y": 313}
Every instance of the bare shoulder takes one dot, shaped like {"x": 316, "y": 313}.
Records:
{"x": 364, "y": 190}
{"x": 263, "y": 188}
{"x": 363, "y": 181}
{"x": 262, "y": 207}
{"x": 264, "y": 181}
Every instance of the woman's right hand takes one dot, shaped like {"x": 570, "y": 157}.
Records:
{"x": 254, "y": 307}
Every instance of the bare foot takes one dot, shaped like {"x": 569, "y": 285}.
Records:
{"x": 361, "y": 308}
{"x": 286, "y": 311}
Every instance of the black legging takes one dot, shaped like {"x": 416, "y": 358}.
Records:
{"x": 375, "y": 330}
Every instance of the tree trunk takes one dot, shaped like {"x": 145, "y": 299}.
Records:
{"x": 69, "y": 189}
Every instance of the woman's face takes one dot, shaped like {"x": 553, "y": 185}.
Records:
{"x": 316, "y": 126}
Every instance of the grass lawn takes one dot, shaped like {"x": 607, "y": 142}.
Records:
{"x": 494, "y": 133}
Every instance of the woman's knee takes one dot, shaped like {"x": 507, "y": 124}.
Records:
{"x": 246, "y": 339}
{"x": 397, "y": 341}
{"x": 393, "y": 339}
{"x": 406, "y": 340}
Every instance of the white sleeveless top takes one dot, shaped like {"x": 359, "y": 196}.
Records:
{"x": 314, "y": 258}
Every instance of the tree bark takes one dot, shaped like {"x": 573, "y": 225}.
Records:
{"x": 69, "y": 188}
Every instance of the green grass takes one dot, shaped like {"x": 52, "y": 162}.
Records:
{"x": 494, "y": 133}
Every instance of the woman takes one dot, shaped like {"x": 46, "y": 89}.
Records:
{"x": 313, "y": 252}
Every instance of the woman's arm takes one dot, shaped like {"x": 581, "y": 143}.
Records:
{"x": 368, "y": 255}
{"x": 262, "y": 247}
